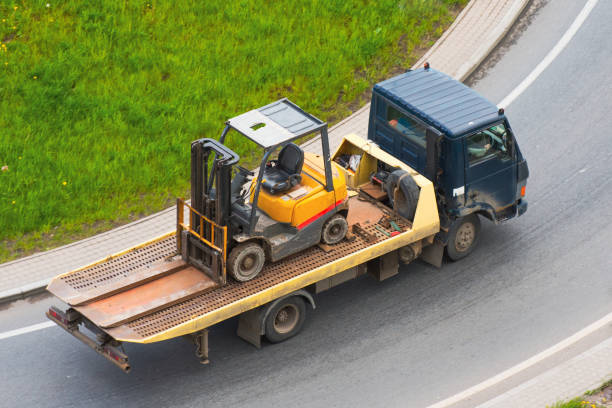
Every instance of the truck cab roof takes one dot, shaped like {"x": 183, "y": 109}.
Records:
{"x": 440, "y": 101}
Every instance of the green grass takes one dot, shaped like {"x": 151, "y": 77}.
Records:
{"x": 99, "y": 100}
{"x": 575, "y": 403}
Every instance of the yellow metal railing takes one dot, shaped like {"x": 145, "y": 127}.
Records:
{"x": 205, "y": 225}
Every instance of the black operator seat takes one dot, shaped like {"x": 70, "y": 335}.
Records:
{"x": 282, "y": 174}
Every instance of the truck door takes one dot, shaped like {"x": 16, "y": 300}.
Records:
{"x": 490, "y": 173}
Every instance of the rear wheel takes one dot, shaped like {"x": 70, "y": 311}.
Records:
{"x": 334, "y": 229}
{"x": 286, "y": 319}
{"x": 246, "y": 261}
{"x": 463, "y": 237}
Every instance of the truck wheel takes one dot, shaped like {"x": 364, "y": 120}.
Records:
{"x": 463, "y": 237}
{"x": 286, "y": 319}
{"x": 334, "y": 230}
{"x": 246, "y": 261}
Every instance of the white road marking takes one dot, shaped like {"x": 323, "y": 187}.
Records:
{"x": 562, "y": 345}
{"x": 550, "y": 57}
{"x": 27, "y": 329}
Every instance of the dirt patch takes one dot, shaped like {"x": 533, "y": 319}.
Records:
{"x": 602, "y": 398}
{"x": 8, "y": 38}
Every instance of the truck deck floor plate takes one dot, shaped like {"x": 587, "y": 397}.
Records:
{"x": 140, "y": 276}
{"x": 149, "y": 297}
{"x": 95, "y": 279}
{"x": 273, "y": 274}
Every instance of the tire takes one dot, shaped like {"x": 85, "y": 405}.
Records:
{"x": 463, "y": 237}
{"x": 334, "y": 230}
{"x": 246, "y": 261}
{"x": 408, "y": 193}
{"x": 285, "y": 319}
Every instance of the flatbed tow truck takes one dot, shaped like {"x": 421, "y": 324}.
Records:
{"x": 154, "y": 292}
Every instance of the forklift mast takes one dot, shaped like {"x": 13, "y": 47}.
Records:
{"x": 203, "y": 243}
{"x": 210, "y": 193}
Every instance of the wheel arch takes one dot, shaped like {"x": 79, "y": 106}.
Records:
{"x": 268, "y": 307}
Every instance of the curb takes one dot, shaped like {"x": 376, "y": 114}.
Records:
{"x": 23, "y": 291}
{"x": 494, "y": 37}
{"x": 112, "y": 231}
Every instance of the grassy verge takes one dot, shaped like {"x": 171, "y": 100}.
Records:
{"x": 575, "y": 403}
{"x": 99, "y": 100}
{"x": 600, "y": 397}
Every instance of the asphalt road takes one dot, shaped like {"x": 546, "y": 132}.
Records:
{"x": 425, "y": 334}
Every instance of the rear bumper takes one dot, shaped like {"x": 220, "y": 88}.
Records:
{"x": 104, "y": 345}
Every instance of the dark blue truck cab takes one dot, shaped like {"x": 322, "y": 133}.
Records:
{"x": 459, "y": 140}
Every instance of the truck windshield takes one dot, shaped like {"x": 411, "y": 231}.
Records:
{"x": 490, "y": 142}
{"x": 408, "y": 127}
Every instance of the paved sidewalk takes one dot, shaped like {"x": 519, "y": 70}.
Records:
{"x": 566, "y": 381}
{"x": 475, "y": 32}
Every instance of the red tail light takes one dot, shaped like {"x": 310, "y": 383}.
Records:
{"x": 58, "y": 315}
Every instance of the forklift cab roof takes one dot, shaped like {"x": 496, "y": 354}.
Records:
{"x": 275, "y": 124}
{"x": 440, "y": 101}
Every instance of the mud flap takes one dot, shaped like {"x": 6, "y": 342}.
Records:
{"x": 433, "y": 254}
{"x": 250, "y": 326}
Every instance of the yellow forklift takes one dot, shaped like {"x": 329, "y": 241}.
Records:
{"x": 241, "y": 219}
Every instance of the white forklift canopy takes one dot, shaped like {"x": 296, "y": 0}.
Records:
{"x": 275, "y": 124}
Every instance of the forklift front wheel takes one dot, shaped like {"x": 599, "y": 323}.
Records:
{"x": 286, "y": 319}
{"x": 334, "y": 230}
{"x": 246, "y": 261}
{"x": 463, "y": 237}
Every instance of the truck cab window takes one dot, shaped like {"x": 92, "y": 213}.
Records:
{"x": 490, "y": 142}
{"x": 408, "y": 127}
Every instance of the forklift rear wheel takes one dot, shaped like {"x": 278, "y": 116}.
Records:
{"x": 463, "y": 237}
{"x": 246, "y": 261}
{"x": 286, "y": 319}
{"x": 334, "y": 230}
